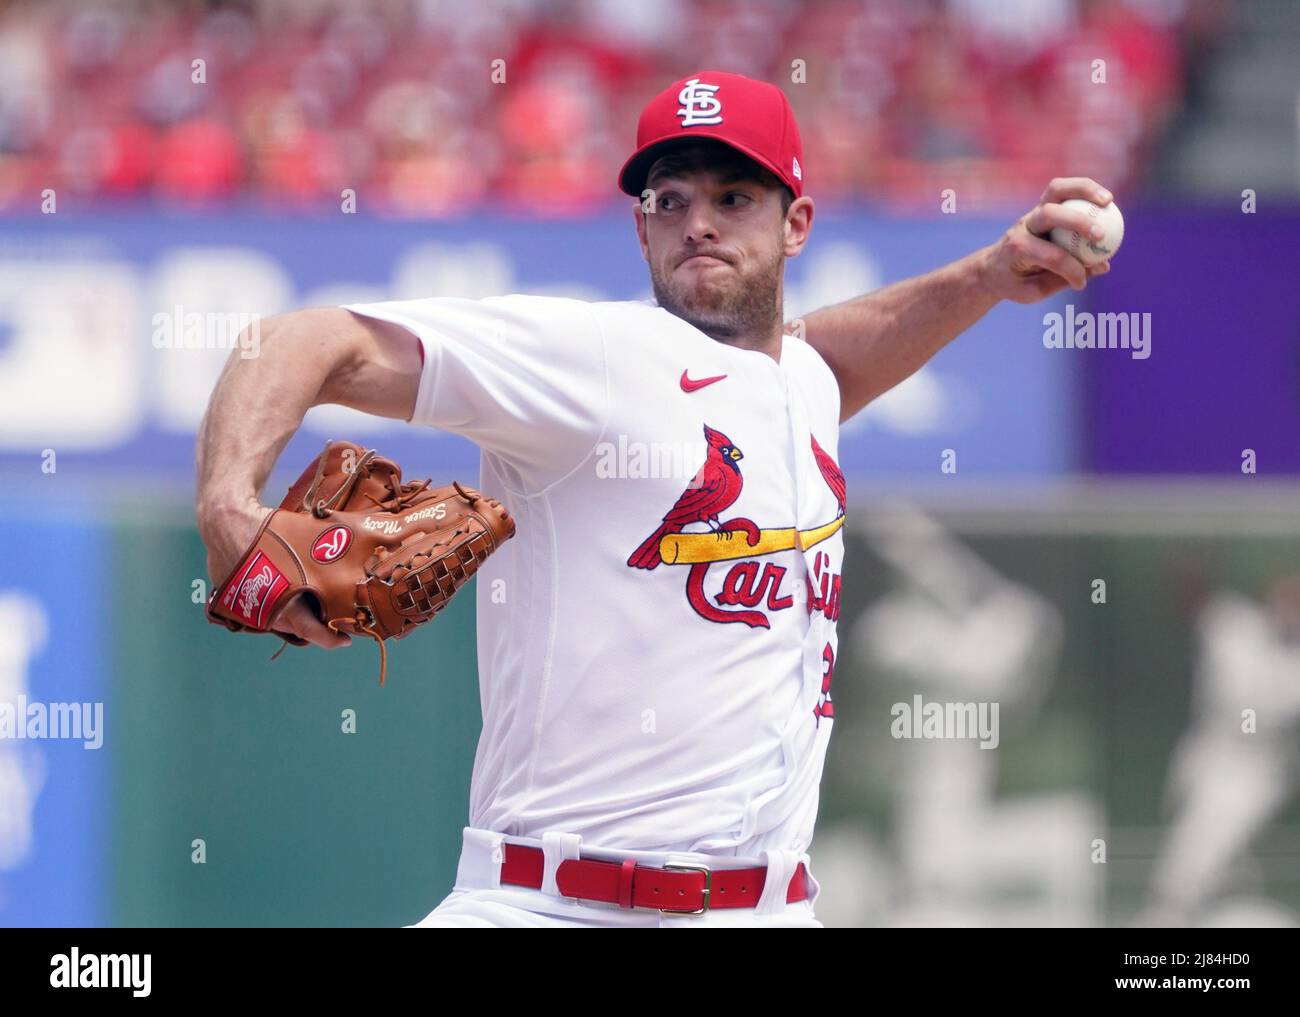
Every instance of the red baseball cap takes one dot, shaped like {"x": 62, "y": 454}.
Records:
{"x": 753, "y": 117}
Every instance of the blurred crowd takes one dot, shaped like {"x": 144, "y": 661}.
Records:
{"x": 431, "y": 107}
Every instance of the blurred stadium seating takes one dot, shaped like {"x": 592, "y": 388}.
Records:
{"x": 297, "y": 99}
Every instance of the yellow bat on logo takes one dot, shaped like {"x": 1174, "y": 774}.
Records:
{"x": 695, "y": 548}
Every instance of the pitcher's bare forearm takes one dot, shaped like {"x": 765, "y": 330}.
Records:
{"x": 873, "y": 342}
{"x": 305, "y": 358}
{"x": 257, "y": 406}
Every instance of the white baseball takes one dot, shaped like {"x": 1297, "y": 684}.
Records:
{"x": 1087, "y": 250}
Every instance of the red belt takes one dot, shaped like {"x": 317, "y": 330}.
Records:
{"x": 675, "y": 889}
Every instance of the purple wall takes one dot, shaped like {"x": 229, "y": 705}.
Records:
{"x": 1223, "y": 289}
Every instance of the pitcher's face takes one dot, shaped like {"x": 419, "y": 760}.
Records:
{"x": 716, "y": 243}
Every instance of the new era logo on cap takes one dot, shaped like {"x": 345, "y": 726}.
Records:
{"x": 753, "y": 117}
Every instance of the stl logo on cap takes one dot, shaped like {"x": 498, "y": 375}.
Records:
{"x": 699, "y": 105}
{"x": 759, "y": 125}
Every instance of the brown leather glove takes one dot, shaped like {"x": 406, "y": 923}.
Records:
{"x": 372, "y": 554}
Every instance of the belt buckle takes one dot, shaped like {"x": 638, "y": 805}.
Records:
{"x": 708, "y": 885}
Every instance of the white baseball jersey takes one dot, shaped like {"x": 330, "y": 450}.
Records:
{"x": 656, "y": 644}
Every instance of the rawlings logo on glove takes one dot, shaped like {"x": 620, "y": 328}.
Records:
{"x": 372, "y": 554}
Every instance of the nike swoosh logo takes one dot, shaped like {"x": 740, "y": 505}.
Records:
{"x": 694, "y": 386}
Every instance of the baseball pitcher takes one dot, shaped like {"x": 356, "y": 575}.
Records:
{"x": 657, "y": 684}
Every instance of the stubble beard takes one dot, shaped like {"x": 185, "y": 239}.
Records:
{"x": 725, "y": 307}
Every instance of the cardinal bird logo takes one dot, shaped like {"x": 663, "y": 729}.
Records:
{"x": 715, "y": 487}
{"x": 831, "y": 472}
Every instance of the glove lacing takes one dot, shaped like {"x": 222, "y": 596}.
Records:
{"x": 400, "y": 498}
{"x": 359, "y": 621}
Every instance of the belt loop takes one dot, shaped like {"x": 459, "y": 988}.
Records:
{"x": 626, "y": 873}
{"x": 781, "y": 865}
{"x": 814, "y": 887}
{"x": 481, "y": 855}
{"x": 556, "y": 848}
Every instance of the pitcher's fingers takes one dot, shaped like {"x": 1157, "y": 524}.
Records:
{"x": 1086, "y": 188}
{"x": 302, "y": 622}
{"x": 1045, "y": 254}
{"x": 1045, "y": 218}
